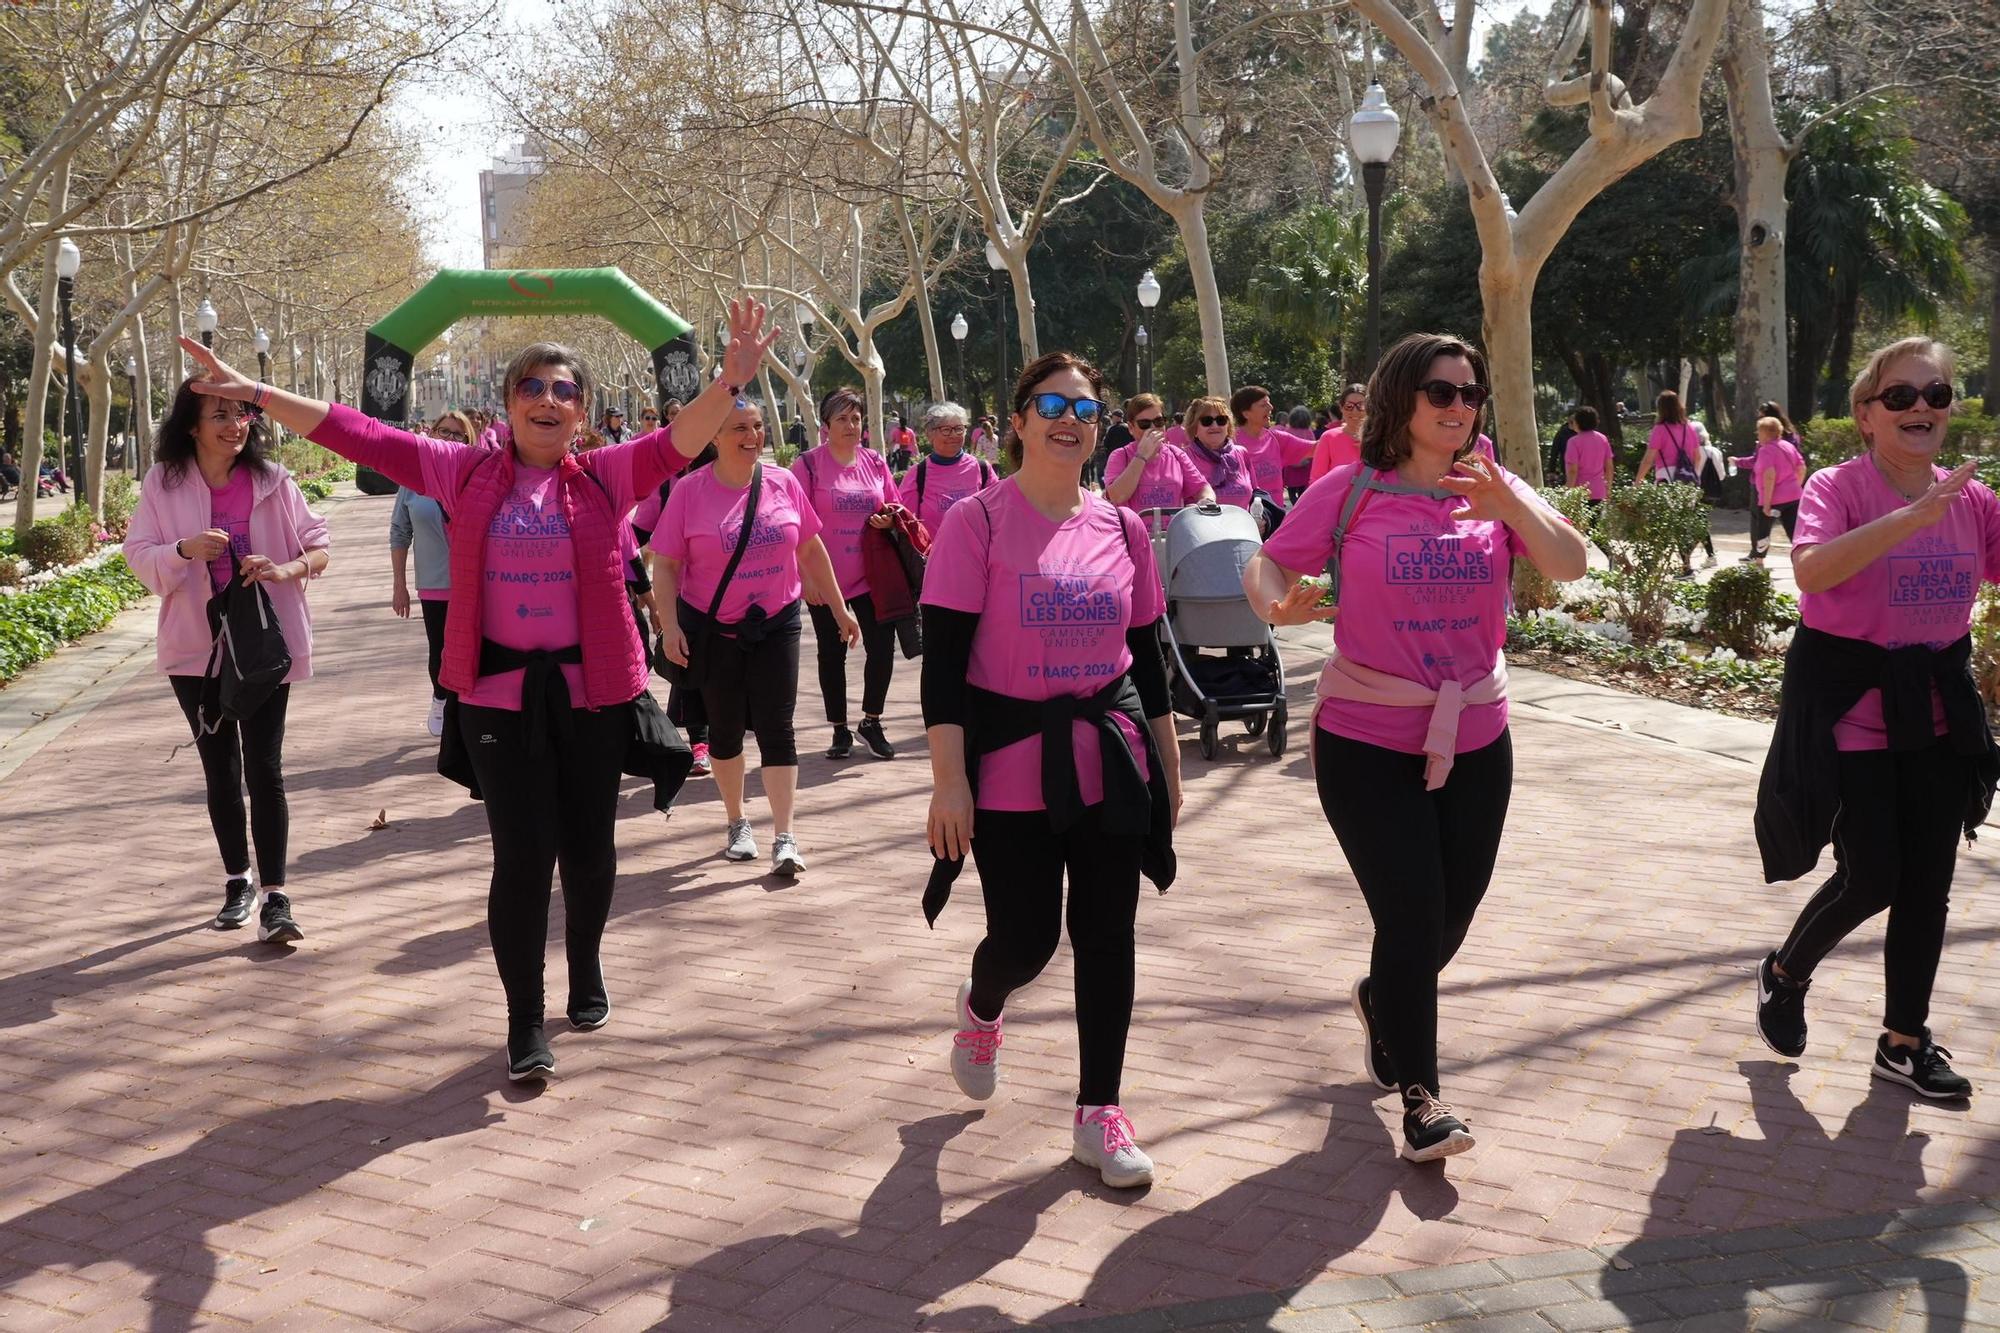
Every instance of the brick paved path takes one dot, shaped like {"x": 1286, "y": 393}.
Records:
{"x": 201, "y": 1130}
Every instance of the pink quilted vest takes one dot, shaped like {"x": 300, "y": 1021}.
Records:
{"x": 614, "y": 661}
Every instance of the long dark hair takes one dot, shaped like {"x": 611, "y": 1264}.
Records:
{"x": 1392, "y": 396}
{"x": 1668, "y": 408}
{"x": 174, "y": 450}
{"x": 1043, "y": 366}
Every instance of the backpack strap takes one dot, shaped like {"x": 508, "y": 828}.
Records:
{"x": 923, "y": 470}
{"x": 1366, "y": 482}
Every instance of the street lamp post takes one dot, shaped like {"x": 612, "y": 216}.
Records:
{"x": 995, "y": 264}
{"x": 262, "y": 342}
{"x": 132, "y": 417}
{"x": 68, "y": 261}
{"x": 205, "y": 320}
{"x": 1372, "y": 134}
{"x": 959, "y": 328}
{"x": 1149, "y": 296}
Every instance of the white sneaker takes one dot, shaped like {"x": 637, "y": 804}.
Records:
{"x": 785, "y": 858}
{"x": 742, "y": 846}
{"x": 1103, "y": 1139}
{"x": 435, "y": 722}
{"x": 975, "y": 1051}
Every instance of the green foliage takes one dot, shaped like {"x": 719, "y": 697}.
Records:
{"x": 1533, "y": 590}
{"x": 121, "y": 498}
{"x": 1649, "y": 529}
{"x": 12, "y": 571}
{"x": 785, "y": 454}
{"x": 34, "y": 624}
{"x": 1986, "y": 647}
{"x": 302, "y": 458}
{"x": 60, "y": 540}
{"x": 1741, "y": 604}
{"x": 1830, "y": 440}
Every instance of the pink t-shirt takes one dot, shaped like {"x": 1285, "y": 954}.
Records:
{"x": 1784, "y": 462}
{"x": 529, "y": 600}
{"x": 1421, "y": 597}
{"x": 1054, "y": 601}
{"x": 1168, "y": 482}
{"x": 845, "y": 498}
{"x": 1588, "y": 456}
{"x": 1336, "y": 448}
{"x": 1229, "y": 476}
{"x": 1673, "y": 445}
{"x": 1270, "y": 453}
{"x": 1920, "y": 592}
{"x": 229, "y": 509}
{"x": 646, "y": 514}
{"x": 700, "y": 528}
{"x": 945, "y": 484}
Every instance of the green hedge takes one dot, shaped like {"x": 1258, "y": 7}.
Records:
{"x": 34, "y": 624}
{"x": 320, "y": 485}
{"x": 1830, "y": 440}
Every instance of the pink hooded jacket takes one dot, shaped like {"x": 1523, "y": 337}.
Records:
{"x": 280, "y": 526}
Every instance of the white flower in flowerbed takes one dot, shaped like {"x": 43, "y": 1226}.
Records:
{"x": 1778, "y": 641}
{"x": 42, "y": 578}
{"x": 1723, "y": 656}
{"x": 1606, "y": 629}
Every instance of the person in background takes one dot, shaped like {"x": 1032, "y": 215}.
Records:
{"x": 1298, "y": 474}
{"x": 947, "y": 474}
{"x": 1147, "y": 472}
{"x": 1555, "y": 465}
{"x": 417, "y": 523}
{"x": 1269, "y": 448}
{"x": 1674, "y": 454}
{"x": 1587, "y": 456}
{"x": 1341, "y": 444}
{"x": 649, "y": 420}
{"x": 613, "y": 430}
{"x": 1221, "y": 461}
{"x": 1778, "y": 471}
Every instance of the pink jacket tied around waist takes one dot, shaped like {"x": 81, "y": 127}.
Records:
{"x": 1345, "y": 678}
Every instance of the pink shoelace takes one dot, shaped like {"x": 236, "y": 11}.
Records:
{"x": 982, "y": 1042}
{"x": 1116, "y": 1126}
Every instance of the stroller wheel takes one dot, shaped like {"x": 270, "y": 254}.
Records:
{"x": 1277, "y": 737}
{"x": 1211, "y": 723}
{"x": 1254, "y": 724}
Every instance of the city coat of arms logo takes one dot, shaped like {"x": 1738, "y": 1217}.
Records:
{"x": 679, "y": 376}
{"x": 387, "y": 380}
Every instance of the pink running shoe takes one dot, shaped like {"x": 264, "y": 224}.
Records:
{"x": 701, "y": 767}
{"x": 975, "y": 1051}
{"x": 1103, "y": 1138}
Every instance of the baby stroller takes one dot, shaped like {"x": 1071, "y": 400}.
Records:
{"x": 1223, "y": 658}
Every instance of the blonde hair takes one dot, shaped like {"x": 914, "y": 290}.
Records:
{"x": 1219, "y": 406}
{"x": 1869, "y": 382}
{"x": 1769, "y": 428}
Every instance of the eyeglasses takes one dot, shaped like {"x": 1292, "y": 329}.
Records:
{"x": 948, "y": 430}
{"x": 1345, "y": 408}
{"x": 1148, "y": 423}
{"x": 1051, "y": 406}
{"x": 1903, "y": 397}
{"x": 1212, "y": 421}
{"x": 1441, "y": 392}
{"x": 448, "y": 433}
{"x": 530, "y": 388}
{"x": 650, "y": 416}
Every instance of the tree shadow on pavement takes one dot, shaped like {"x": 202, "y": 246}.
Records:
{"x": 31, "y": 997}
{"x": 234, "y": 1172}
{"x": 1844, "y": 1189}
{"x": 901, "y": 1250}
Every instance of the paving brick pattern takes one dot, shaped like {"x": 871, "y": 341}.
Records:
{"x": 203, "y": 1131}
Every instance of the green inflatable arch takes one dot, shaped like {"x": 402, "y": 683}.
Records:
{"x": 391, "y": 347}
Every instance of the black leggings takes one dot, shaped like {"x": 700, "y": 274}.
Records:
{"x": 1021, "y": 862}
{"x": 558, "y": 809}
{"x": 238, "y": 755}
{"x": 758, "y": 693}
{"x": 878, "y": 642}
{"x": 1423, "y": 859}
{"x": 686, "y": 710}
{"x": 1895, "y": 844}
{"x": 434, "y": 633}
{"x": 1760, "y": 524}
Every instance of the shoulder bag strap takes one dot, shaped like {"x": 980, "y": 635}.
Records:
{"x": 1366, "y": 484}
{"x": 923, "y": 470}
{"x": 742, "y": 541}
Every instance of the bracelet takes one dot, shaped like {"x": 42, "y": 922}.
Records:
{"x": 260, "y": 396}
{"x": 178, "y": 551}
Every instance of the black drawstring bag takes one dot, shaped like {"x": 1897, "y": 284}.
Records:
{"x": 249, "y": 659}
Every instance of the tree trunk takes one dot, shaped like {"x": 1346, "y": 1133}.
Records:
{"x": 36, "y": 415}
{"x": 97, "y": 437}
{"x": 1991, "y": 392}
{"x": 1508, "y": 335}
{"x": 176, "y": 366}
{"x": 1718, "y": 396}
{"x": 141, "y": 452}
{"x": 1811, "y": 339}
{"x": 1762, "y": 159}
{"x": 1840, "y": 356}
{"x": 1192, "y": 220}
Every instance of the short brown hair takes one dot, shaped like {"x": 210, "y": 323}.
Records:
{"x": 1869, "y": 382}
{"x": 550, "y": 354}
{"x": 1669, "y": 408}
{"x": 1195, "y": 408}
{"x": 1043, "y": 366}
{"x": 1392, "y": 395}
{"x": 1139, "y": 402}
{"x": 1244, "y": 399}
{"x": 838, "y": 401}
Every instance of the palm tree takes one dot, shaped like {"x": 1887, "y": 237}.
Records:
{"x": 1315, "y": 282}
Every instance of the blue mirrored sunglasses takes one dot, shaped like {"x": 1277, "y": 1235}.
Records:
{"x": 1051, "y": 406}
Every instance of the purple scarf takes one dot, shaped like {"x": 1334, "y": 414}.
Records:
{"x": 1228, "y": 463}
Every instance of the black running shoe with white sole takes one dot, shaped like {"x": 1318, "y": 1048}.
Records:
{"x": 1925, "y": 1069}
{"x": 528, "y": 1055}
{"x": 1374, "y": 1055}
{"x": 1430, "y": 1130}
{"x": 274, "y": 920}
{"x": 871, "y": 734}
{"x": 589, "y": 1003}
{"x": 239, "y": 899}
{"x": 843, "y": 744}
{"x": 1781, "y": 1009}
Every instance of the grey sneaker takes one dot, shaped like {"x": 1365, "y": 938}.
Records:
{"x": 1103, "y": 1139}
{"x": 742, "y": 846}
{"x": 975, "y": 1051}
{"x": 785, "y": 858}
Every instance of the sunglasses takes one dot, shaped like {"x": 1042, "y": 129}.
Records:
{"x": 530, "y": 388}
{"x": 1353, "y": 407}
{"x": 1903, "y": 397}
{"x": 1440, "y": 393}
{"x": 1148, "y": 423}
{"x": 1051, "y": 406}
{"x": 1212, "y": 421}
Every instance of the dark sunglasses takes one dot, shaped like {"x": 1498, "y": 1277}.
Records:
{"x": 530, "y": 388}
{"x": 1440, "y": 393}
{"x": 1148, "y": 424}
{"x": 1212, "y": 421}
{"x": 1903, "y": 397}
{"x": 1051, "y": 406}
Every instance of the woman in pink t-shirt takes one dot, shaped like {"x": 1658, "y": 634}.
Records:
{"x": 1410, "y": 747}
{"x": 1040, "y": 602}
{"x": 1779, "y": 473}
{"x": 1270, "y": 448}
{"x": 1222, "y": 463}
{"x": 1587, "y": 456}
{"x": 214, "y": 492}
{"x": 850, "y": 488}
{"x": 1882, "y": 745}
{"x": 1149, "y": 473}
{"x": 1341, "y": 444}
{"x": 1674, "y": 454}
{"x": 750, "y": 681}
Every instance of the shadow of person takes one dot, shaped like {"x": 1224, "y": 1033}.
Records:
{"x": 30, "y": 997}
{"x": 233, "y": 1172}
{"x": 904, "y": 1250}
{"x": 1870, "y": 1170}
{"x": 1270, "y": 1234}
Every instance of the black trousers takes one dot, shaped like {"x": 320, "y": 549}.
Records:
{"x": 1895, "y": 844}
{"x": 251, "y": 754}
{"x": 556, "y": 809}
{"x": 878, "y": 642}
{"x": 1021, "y": 861}
{"x": 434, "y": 635}
{"x": 1760, "y": 523}
{"x": 686, "y": 710}
{"x": 758, "y": 693}
{"x": 1423, "y": 859}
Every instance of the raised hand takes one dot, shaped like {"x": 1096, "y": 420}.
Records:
{"x": 1150, "y": 443}
{"x": 1935, "y": 502}
{"x": 748, "y": 340}
{"x": 1487, "y": 494}
{"x": 218, "y": 380}
{"x": 1300, "y": 606}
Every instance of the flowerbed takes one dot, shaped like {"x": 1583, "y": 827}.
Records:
{"x": 53, "y": 607}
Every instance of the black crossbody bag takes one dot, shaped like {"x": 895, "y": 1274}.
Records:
{"x": 691, "y": 676}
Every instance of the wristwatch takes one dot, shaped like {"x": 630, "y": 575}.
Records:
{"x": 179, "y": 552}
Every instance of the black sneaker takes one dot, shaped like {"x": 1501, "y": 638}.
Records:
{"x": 843, "y": 744}
{"x": 1375, "y": 1056}
{"x": 238, "y": 897}
{"x": 274, "y": 922}
{"x": 1430, "y": 1130}
{"x": 1781, "y": 1009}
{"x": 589, "y": 1004}
{"x": 1924, "y": 1069}
{"x": 871, "y": 735}
{"x": 528, "y": 1054}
